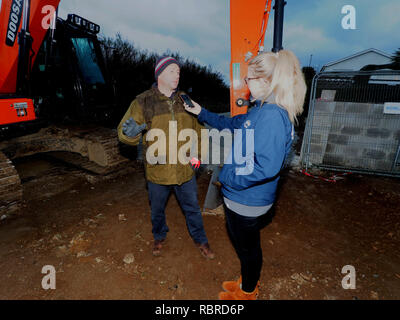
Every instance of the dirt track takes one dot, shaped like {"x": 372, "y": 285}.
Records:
{"x": 85, "y": 231}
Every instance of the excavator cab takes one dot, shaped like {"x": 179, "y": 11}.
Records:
{"x": 70, "y": 79}
{"x": 53, "y": 79}
{"x": 50, "y": 72}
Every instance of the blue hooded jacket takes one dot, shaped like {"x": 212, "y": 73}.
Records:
{"x": 252, "y": 178}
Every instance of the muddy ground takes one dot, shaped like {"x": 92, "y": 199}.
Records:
{"x": 98, "y": 238}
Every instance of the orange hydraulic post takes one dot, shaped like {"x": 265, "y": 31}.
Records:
{"x": 11, "y": 17}
{"x": 249, "y": 21}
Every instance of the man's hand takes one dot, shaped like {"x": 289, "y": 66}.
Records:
{"x": 131, "y": 129}
{"x": 195, "y": 110}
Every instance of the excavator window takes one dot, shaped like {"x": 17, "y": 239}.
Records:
{"x": 87, "y": 59}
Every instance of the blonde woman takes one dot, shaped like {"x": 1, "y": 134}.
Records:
{"x": 277, "y": 89}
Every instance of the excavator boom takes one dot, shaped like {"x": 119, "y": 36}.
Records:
{"x": 11, "y": 21}
{"x": 249, "y": 21}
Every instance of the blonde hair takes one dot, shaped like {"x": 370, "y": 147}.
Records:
{"x": 282, "y": 70}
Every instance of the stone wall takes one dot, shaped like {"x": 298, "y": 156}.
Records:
{"x": 353, "y": 135}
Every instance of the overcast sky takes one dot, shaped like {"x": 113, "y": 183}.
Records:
{"x": 199, "y": 30}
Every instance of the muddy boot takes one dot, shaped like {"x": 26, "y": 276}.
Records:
{"x": 239, "y": 294}
{"x": 206, "y": 251}
{"x": 157, "y": 247}
{"x": 232, "y": 285}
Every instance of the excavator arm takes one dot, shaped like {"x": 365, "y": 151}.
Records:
{"x": 11, "y": 22}
{"x": 249, "y": 21}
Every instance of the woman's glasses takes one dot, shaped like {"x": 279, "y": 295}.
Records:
{"x": 247, "y": 79}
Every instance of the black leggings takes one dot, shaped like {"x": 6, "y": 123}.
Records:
{"x": 244, "y": 233}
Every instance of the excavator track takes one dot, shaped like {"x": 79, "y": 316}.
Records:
{"x": 98, "y": 145}
{"x": 93, "y": 149}
{"x": 104, "y": 156}
{"x": 10, "y": 187}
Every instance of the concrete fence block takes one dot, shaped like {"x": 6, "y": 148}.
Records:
{"x": 352, "y": 107}
{"x": 325, "y": 106}
{"x": 328, "y": 95}
{"x": 396, "y": 135}
{"x": 337, "y": 126}
{"x": 351, "y": 130}
{"x": 365, "y": 163}
{"x": 316, "y": 148}
{"x": 353, "y": 152}
{"x": 372, "y": 143}
{"x": 391, "y": 157}
{"x": 377, "y": 108}
{"x": 349, "y": 152}
{"x": 374, "y": 154}
{"x": 383, "y": 165}
{"x": 338, "y": 139}
{"x": 390, "y": 123}
{"x": 330, "y": 148}
{"x": 316, "y": 138}
{"x": 378, "y": 133}
{"x": 355, "y": 121}
{"x": 334, "y": 160}
{"x": 340, "y": 107}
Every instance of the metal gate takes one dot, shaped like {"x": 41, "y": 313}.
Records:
{"x": 353, "y": 123}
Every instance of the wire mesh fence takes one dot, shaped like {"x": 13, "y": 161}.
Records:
{"x": 353, "y": 123}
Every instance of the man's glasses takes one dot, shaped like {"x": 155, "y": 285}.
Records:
{"x": 247, "y": 79}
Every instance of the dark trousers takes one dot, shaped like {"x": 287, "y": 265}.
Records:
{"x": 186, "y": 195}
{"x": 244, "y": 233}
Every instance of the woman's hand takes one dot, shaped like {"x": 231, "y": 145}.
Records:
{"x": 195, "y": 110}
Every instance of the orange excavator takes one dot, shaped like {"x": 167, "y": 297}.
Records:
{"x": 52, "y": 72}
{"x": 249, "y": 22}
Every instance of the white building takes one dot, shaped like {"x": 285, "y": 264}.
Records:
{"x": 358, "y": 60}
